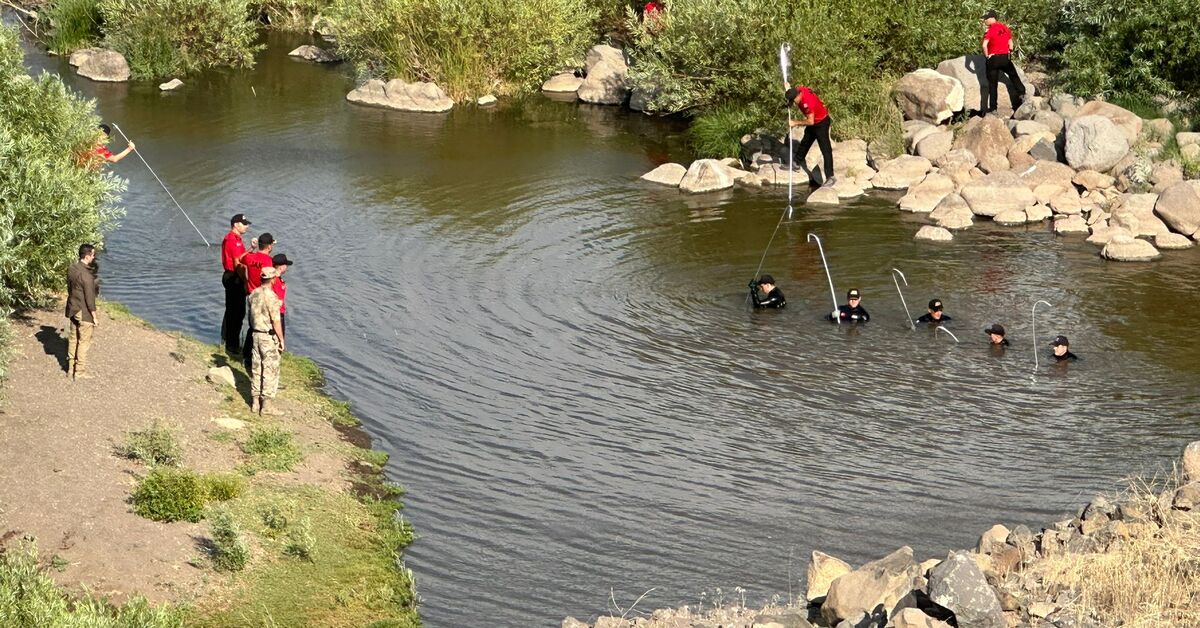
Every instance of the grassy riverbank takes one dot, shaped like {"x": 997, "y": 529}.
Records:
{"x": 297, "y": 525}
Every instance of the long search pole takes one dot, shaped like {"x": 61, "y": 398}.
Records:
{"x": 832, "y": 294}
{"x": 1033, "y": 316}
{"x": 784, "y": 52}
{"x": 896, "y": 271}
{"x": 164, "y": 187}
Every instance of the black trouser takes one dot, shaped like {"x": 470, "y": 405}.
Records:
{"x": 235, "y": 310}
{"x": 818, "y": 133}
{"x": 995, "y": 65}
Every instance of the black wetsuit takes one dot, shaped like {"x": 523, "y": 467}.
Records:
{"x": 854, "y": 314}
{"x": 773, "y": 299}
{"x": 1066, "y": 357}
{"x": 928, "y": 318}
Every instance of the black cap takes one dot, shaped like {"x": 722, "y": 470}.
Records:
{"x": 238, "y": 218}
{"x": 1060, "y": 341}
{"x": 265, "y": 240}
{"x": 936, "y": 305}
{"x": 281, "y": 260}
{"x": 991, "y": 14}
{"x": 853, "y": 294}
{"x": 766, "y": 279}
{"x": 789, "y": 97}
{"x": 996, "y": 328}
{"x": 107, "y": 130}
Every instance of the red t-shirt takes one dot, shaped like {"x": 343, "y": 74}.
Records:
{"x": 254, "y": 263}
{"x": 232, "y": 248}
{"x": 811, "y": 103}
{"x": 280, "y": 289}
{"x": 999, "y": 39}
{"x": 103, "y": 151}
{"x": 651, "y": 9}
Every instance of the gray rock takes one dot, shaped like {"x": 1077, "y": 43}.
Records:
{"x": 401, "y": 96}
{"x": 989, "y": 140}
{"x": 603, "y": 53}
{"x": 878, "y": 584}
{"x": 1058, "y": 102}
{"x": 959, "y": 585}
{"x": 666, "y": 174}
{"x": 914, "y": 618}
{"x": 935, "y": 145}
{"x": 1030, "y": 127}
{"x": 106, "y": 66}
{"x": 1095, "y": 143}
{"x": 926, "y": 195}
{"x": 1045, "y": 150}
{"x": 1129, "y": 123}
{"x": 314, "y": 54}
{"x": 792, "y": 619}
{"x": 79, "y": 56}
{"x": 971, "y": 72}
{"x": 1172, "y": 242}
{"x": 935, "y": 234}
{"x": 915, "y": 131}
{"x": 170, "y": 85}
{"x": 562, "y": 83}
{"x": 994, "y": 193}
{"x": 607, "y": 82}
{"x": 928, "y": 95}
{"x": 957, "y": 159}
{"x": 1179, "y": 207}
{"x": 221, "y": 375}
{"x": 641, "y": 97}
{"x": 706, "y": 175}
{"x": 1051, "y": 120}
{"x": 901, "y": 173}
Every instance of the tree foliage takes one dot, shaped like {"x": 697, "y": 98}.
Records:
{"x": 163, "y": 38}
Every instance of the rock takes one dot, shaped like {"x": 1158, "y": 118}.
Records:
{"x": 1191, "y": 461}
{"x": 1067, "y": 202}
{"x": 1095, "y": 143}
{"x": 78, "y": 57}
{"x": 824, "y": 195}
{"x": 882, "y": 582}
{"x": 640, "y": 97}
{"x": 793, "y": 619}
{"x": 1136, "y": 213}
{"x": 107, "y": 66}
{"x": 1038, "y": 213}
{"x": 935, "y": 145}
{"x": 1048, "y": 172}
{"x": 314, "y": 54}
{"x": 1092, "y": 180}
{"x": 571, "y": 622}
{"x": 901, "y": 172}
{"x": 1030, "y": 127}
{"x": 1160, "y": 128}
{"x": 666, "y": 174}
{"x": 170, "y": 85}
{"x": 1189, "y": 138}
{"x": 602, "y": 53}
{"x": 1042, "y": 610}
{"x": 914, "y": 618}
{"x": 989, "y": 140}
{"x": 221, "y": 375}
{"x": 1045, "y": 150}
{"x": 1191, "y": 152}
{"x": 1129, "y": 122}
{"x": 1172, "y": 242}
{"x": 1030, "y": 107}
{"x": 935, "y": 234}
{"x": 928, "y": 96}
{"x": 706, "y": 175}
{"x": 485, "y": 101}
{"x": 1071, "y": 224}
{"x": 952, "y": 213}
{"x": 399, "y": 95}
{"x": 1102, "y": 233}
{"x": 994, "y": 193}
{"x": 1165, "y": 174}
{"x": 1025, "y": 143}
{"x": 1046, "y": 191}
{"x": 1011, "y": 217}
{"x": 1051, "y": 121}
{"x": 612, "y": 622}
{"x": 925, "y": 196}
{"x": 957, "y": 159}
{"x": 1179, "y": 207}
{"x": 823, "y": 569}
{"x": 562, "y": 83}
{"x": 971, "y": 72}
{"x": 959, "y": 585}
{"x": 607, "y": 81}
{"x": 1187, "y": 497}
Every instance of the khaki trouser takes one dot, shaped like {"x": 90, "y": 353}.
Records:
{"x": 79, "y": 342}
{"x": 264, "y": 367}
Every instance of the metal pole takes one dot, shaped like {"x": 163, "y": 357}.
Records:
{"x": 832, "y": 294}
{"x": 1033, "y": 316}
{"x": 940, "y": 328}
{"x": 784, "y": 51}
{"x": 896, "y": 271}
{"x": 164, "y": 187}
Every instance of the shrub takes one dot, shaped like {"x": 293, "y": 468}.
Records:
{"x": 272, "y": 449}
{"x": 222, "y": 487}
{"x": 229, "y": 550}
{"x": 51, "y": 200}
{"x": 301, "y": 543}
{"x": 468, "y": 47}
{"x": 153, "y": 445}
{"x": 168, "y": 494}
{"x": 162, "y": 38}
{"x": 290, "y": 15}
{"x": 74, "y": 24}
{"x": 275, "y": 520}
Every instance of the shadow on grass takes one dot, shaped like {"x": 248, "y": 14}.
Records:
{"x": 240, "y": 378}
{"x": 54, "y": 344}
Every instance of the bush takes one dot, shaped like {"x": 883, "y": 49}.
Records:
{"x": 167, "y": 494}
{"x": 272, "y": 449}
{"x": 290, "y": 15}
{"x": 468, "y": 47}
{"x": 301, "y": 543}
{"x": 74, "y": 24}
{"x": 275, "y": 520}
{"x": 163, "y": 38}
{"x": 51, "y": 200}
{"x": 222, "y": 487}
{"x": 153, "y": 445}
{"x": 229, "y": 550}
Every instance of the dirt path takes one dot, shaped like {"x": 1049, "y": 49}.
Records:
{"x": 62, "y": 483}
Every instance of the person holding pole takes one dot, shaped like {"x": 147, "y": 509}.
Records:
{"x": 106, "y": 154}
{"x": 772, "y": 295}
{"x": 816, "y": 123}
{"x": 233, "y": 250}
{"x": 997, "y": 44}
{"x": 853, "y": 311}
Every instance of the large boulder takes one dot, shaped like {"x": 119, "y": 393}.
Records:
{"x": 823, "y": 569}
{"x": 401, "y": 96}
{"x": 1095, "y": 143}
{"x": 925, "y": 196}
{"x": 952, "y": 213}
{"x": 994, "y": 193}
{"x": 1128, "y": 121}
{"x": 1179, "y": 207}
{"x": 881, "y": 583}
{"x": 901, "y": 173}
{"x": 1126, "y": 248}
{"x": 607, "y": 81}
{"x": 958, "y": 584}
{"x": 915, "y": 618}
{"x": 99, "y": 64}
{"x": 1135, "y": 212}
{"x": 971, "y": 72}
{"x": 928, "y": 95}
{"x": 935, "y": 145}
{"x": 1048, "y": 172}
{"x": 824, "y": 195}
{"x": 562, "y": 83}
{"x": 989, "y": 140}
{"x": 666, "y": 174}
{"x": 603, "y": 53}
{"x": 706, "y": 175}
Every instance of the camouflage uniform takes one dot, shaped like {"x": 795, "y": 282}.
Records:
{"x": 264, "y": 374}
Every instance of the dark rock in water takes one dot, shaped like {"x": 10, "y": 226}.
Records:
{"x": 959, "y": 585}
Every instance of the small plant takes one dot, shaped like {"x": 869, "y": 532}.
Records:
{"x": 59, "y": 564}
{"x": 229, "y": 550}
{"x": 167, "y": 494}
{"x": 272, "y": 449}
{"x": 275, "y": 520}
{"x": 301, "y": 543}
{"x": 374, "y": 457}
{"x": 154, "y": 445}
{"x": 223, "y": 487}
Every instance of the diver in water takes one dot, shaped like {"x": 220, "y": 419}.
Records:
{"x": 773, "y": 296}
{"x": 1062, "y": 350}
{"x": 935, "y": 315}
{"x": 852, "y": 311}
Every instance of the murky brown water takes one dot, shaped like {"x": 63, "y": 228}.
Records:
{"x": 561, "y": 359}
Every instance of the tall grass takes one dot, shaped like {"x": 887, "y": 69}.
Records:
{"x": 74, "y": 24}
{"x": 290, "y": 15}
{"x": 163, "y": 38}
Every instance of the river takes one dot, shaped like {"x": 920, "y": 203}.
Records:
{"x": 562, "y": 363}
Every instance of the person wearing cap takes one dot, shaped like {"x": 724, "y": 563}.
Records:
{"x": 997, "y": 44}
{"x": 282, "y": 264}
{"x": 853, "y": 311}
{"x": 773, "y": 296}
{"x": 81, "y": 311}
{"x": 996, "y": 335}
{"x": 253, "y": 264}
{"x": 1062, "y": 350}
{"x": 233, "y": 249}
{"x": 935, "y": 315}
{"x": 103, "y": 151}
{"x": 267, "y": 344}
{"x": 816, "y": 123}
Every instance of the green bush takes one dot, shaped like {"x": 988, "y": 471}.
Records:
{"x": 229, "y": 549}
{"x": 290, "y": 15}
{"x": 74, "y": 24}
{"x": 222, "y": 487}
{"x": 51, "y": 197}
{"x": 301, "y": 543}
{"x": 153, "y": 445}
{"x": 468, "y": 47}
{"x": 168, "y": 494}
{"x": 163, "y": 38}
{"x": 28, "y": 597}
{"x": 275, "y": 520}
{"x": 272, "y": 449}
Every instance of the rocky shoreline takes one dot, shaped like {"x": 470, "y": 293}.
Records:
{"x": 1059, "y": 577}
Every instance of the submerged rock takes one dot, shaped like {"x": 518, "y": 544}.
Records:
{"x": 1172, "y": 241}
{"x": 314, "y": 54}
{"x": 706, "y": 175}
{"x": 936, "y": 234}
{"x": 666, "y": 174}
{"x": 1123, "y": 247}
{"x": 170, "y": 85}
{"x": 401, "y": 96}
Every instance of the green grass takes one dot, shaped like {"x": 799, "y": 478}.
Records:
{"x": 167, "y": 494}
{"x": 74, "y": 24}
{"x": 229, "y": 551}
{"x": 272, "y": 449}
{"x": 153, "y": 445}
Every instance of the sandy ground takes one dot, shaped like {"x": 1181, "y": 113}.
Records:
{"x": 62, "y": 483}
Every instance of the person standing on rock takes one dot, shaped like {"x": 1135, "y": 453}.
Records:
{"x": 935, "y": 315}
{"x": 254, "y": 262}
{"x": 997, "y": 45}
{"x": 773, "y": 296}
{"x": 853, "y": 311}
{"x": 81, "y": 312}
{"x": 816, "y": 122}
{"x": 233, "y": 249}
{"x": 267, "y": 343}
{"x": 282, "y": 264}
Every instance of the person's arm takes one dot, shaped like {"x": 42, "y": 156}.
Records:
{"x": 861, "y": 315}
{"x": 112, "y": 159}
{"x": 806, "y": 121}
{"x": 278, "y": 331}
{"x": 985, "y": 47}
{"x": 89, "y": 296}
{"x": 837, "y": 315}
{"x": 754, "y": 294}
{"x": 770, "y": 301}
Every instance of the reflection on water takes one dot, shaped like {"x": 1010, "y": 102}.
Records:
{"x": 562, "y": 362}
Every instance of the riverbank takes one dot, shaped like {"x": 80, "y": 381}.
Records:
{"x": 298, "y": 502}
{"x": 1128, "y": 560}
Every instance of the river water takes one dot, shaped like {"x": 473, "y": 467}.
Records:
{"x": 561, "y": 360}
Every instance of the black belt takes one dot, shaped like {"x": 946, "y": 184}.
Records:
{"x": 269, "y": 331}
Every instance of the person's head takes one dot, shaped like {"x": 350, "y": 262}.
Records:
{"x": 935, "y": 309}
{"x": 766, "y": 283}
{"x": 791, "y": 98}
{"x": 989, "y": 18}
{"x": 87, "y": 253}
{"x": 265, "y": 242}
{"x": 853, "y": 297}
{"x": 105, "y": 132}
{"x": 238, "y": 224}
{"x": 1061, "y": 345}
{"x": 995, "y": 333}
{"x": 281, "y": 263}
{"x": 268, "y": 275}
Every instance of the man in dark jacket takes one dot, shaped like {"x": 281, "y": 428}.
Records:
{"x": 853, "y": 311}
{"x": 935, "y": 316}
{"x": 773, "y": 296}
{"x": 81, "y": 311}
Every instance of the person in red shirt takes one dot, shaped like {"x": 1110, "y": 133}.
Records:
{"x": 816, "y": 123}
{"x": 282, "y": 265}
{"x": 252, "y": 265}
{"x": 106, "y": 154}
{"x": 233, "y": 249}
{"x": 997, "y": 44}
{"x": 652, "y": 14}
